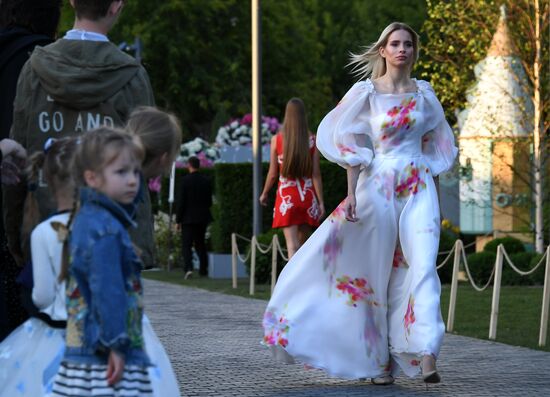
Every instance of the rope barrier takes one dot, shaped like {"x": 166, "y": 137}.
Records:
{"x": 470, "y": 278}
{"x": 520, "y": 272}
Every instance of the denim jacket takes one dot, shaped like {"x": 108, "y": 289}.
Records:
{"x": 104, "y": 290}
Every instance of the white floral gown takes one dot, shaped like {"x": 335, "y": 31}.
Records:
{"x": 362, "y": 299}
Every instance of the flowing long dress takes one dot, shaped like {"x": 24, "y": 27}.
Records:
{"x": 361, "y": 299}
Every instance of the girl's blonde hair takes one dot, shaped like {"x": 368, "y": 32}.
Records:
{"x": 100, "y": 147}
{"x": 96, "y": 150}
{"x": 297, "y": 162}
{"x": 158, "y": 131}
{"x": 370, "y": 62}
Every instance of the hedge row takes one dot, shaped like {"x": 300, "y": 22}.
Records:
{"x": 481, "y": 263}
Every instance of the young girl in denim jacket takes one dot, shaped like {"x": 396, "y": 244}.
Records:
{"x": 104, "y": 352}
{"x": 30, "y": 356}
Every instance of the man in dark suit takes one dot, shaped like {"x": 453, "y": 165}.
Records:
{"x": 193, "y": 216}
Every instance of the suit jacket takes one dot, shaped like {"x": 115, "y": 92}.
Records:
{"x": 195, "y": 200}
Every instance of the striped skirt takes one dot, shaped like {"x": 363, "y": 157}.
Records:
{"x": 85, "y": 380}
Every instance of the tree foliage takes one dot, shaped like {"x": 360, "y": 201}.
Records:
{"x": 458, "y": 36}
{"x": 198, "y": 52}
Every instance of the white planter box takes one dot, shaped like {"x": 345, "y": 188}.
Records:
{"x": 219, "y": 266}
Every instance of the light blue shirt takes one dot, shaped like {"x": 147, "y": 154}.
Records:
{"x": 77, "y": 34}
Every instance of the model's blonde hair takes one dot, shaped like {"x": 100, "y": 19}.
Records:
{"x": 158, "y": 131}
{"x": 370, "y": 62}
{"x": 297, "y": 162}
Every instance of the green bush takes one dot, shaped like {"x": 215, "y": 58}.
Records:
{"x": 335, "y": 185}
{"x": 511, "y": 245}
{"x": 233, "y": 205}
{"x": 262, "y": 273}
{"x": 162, "y": 242}
{"x": 522, "y": 260}
{"x": 481, "y": 265}
{"x": 537, "y": 278}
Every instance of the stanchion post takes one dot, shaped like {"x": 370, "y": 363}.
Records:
{"x": 545, "y": 301}
{"x": 252, "y": 264}
{"x": 496, "y": 294}
{"x": 234, "y": 259}
{"x": 274, "y": 247}
{"x": 454, "y": 285}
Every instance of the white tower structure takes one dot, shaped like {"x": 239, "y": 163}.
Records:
{"x": 494, "y": 133}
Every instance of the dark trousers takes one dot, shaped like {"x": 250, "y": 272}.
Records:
{"x": 194, "y": 234}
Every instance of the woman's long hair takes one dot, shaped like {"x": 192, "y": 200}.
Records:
{"x": 370, "y": 62}
{"x": 297, "y": 162}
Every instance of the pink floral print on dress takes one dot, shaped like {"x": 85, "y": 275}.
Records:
{"x": 331, "y": 250}
{"x": 339, "y": 213}
{"x": 398, "y": 258}
{"x": 409, "y": 318}
{"x": 345, "y": 150}
{"x": 275, "y": 329}
{"x": 400, "y": 122}
{"x": 357, "y": 290}
{"x": 371, "y": 332}
{"x": 409, "y": 182}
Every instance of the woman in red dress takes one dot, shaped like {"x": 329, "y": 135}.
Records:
{"x": 295, "y": 162}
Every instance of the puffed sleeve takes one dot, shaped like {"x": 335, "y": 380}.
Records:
{"x": 336, "y": 135}
{"x": 438, "y": 143}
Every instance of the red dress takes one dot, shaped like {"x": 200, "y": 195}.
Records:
{"x": 296, "y": 202}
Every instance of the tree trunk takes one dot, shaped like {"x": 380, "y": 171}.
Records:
{"x": 537, "y": 134}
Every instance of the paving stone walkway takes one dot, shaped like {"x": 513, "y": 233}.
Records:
{"x": 213, "y": 341}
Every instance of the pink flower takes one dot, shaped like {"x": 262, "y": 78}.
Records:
{"x": 204, "y": 161}
{"x": 247, "y": 119}
{"x": 154, "y": 184}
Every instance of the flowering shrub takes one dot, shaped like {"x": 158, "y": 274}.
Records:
{"x": 239, "y": 131}
{"x": 207, "y": 154}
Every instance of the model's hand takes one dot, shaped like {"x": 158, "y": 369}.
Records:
{"x": 10, "y": 147}
{"x": 263, "y": 199}
{"x": 115, "y": 367}
{"x": 350, "y": 208}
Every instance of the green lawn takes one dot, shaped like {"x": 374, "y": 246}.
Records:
{"x": 519, "y": 314}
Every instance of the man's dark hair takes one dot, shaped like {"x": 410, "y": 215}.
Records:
{"x": 37, "y": 16}
{"x": 194, "y": 162}
{"x": 92, "y": 9}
